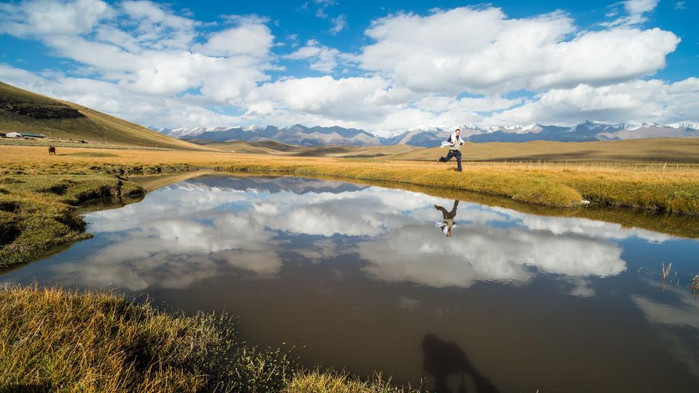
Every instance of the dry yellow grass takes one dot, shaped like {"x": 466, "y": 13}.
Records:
{"x": 672, "y": 150}
{"x": 672, "y": 188}
{"x": 94, "y": 126}
{"x": 318, "y": 381}
{"x": 55, "y": 340}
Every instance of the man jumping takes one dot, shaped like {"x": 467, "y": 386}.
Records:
{"x": 455, "y": 143}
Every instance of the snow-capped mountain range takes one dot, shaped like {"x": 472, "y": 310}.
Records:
{"x": 321, "y": 136}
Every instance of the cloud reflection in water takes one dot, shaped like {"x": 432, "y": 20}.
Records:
{"x": 192, "y": 231}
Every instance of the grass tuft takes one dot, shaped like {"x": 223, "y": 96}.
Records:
{"x": 666, "y": 270}
{"x": 62, "y": 340}
{"x": 320, "y": 381}
{"x": 694, "y": 284}
{"x": 53, "y": 339}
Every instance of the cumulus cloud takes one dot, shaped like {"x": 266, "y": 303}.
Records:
{"x": 47, "y": 17}
{"x": 251, "y": 39}
{"x": 640, "y": 100}
{"x": 481, "y": 50}
{"x": 326, "y": 95}
{"x": 441, "y": 69}
{"x": 116, "y": 99}
{"x": 425, "y": 63}
{"x": 145, "y": 50}
{"x": 320, "y": 58}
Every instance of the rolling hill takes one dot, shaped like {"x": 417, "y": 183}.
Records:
{"x": 26, "y": 112}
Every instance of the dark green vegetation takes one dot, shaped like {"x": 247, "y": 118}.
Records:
{"x": 54, "y": 340}
{"x": 26, "y": 112}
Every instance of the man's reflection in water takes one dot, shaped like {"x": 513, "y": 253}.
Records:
{"x": 444, "y": 359}
{"x": 447, "y": 218}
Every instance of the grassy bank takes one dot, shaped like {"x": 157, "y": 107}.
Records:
{"x": 40, "y": 204}
{"x": 670, "y": 188}
{"x": 673, "y": 190}
{"x": 59, "y": 341}
{"x": 38, "y": 212}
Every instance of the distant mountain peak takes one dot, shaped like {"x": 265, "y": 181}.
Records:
{"x": 299, "y": 134}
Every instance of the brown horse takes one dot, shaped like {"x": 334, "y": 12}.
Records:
{"x": 52, "y": 150}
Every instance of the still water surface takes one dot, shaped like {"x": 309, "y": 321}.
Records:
{"x": 365, "y": 278}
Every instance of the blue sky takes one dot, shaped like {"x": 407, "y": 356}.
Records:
{"x": 384, "y": 66}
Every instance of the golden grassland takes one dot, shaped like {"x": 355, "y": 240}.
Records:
{"x": 663, "y": 150}
{"x": 95, "y": 127}
{"x": 671, "y": 188}
{"x": 660, "y": 150}
{"x": 64, "y": 341}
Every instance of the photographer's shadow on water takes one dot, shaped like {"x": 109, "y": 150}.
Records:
{"x": 447, "y": 369}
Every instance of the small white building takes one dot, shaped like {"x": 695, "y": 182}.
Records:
{"x": 13, "y": 135}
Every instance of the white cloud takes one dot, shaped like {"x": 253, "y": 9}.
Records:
{"x": 46, "y": 17}
{"x": 116, "y": 99}
{"x": 481, "y": 50}
{"x": 651, "y": 100}
{"x": 144, "y": 56}
{"x": 250, "y": 39}
{"x": 636, "y": 10}
{"x": 321, "y": 58}
{"x": 333, "y": 98}
{"x": 159, "y": 27}
{"x": 339, "y": 23}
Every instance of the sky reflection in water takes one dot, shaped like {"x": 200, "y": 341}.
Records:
{"x": 551, "y": 288}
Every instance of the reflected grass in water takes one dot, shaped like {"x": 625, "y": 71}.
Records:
{"x": 672, "y": 224}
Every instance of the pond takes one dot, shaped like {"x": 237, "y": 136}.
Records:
{"x": 366, "y": 278}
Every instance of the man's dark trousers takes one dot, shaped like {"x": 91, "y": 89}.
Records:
{"x": 453, "y": 153}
